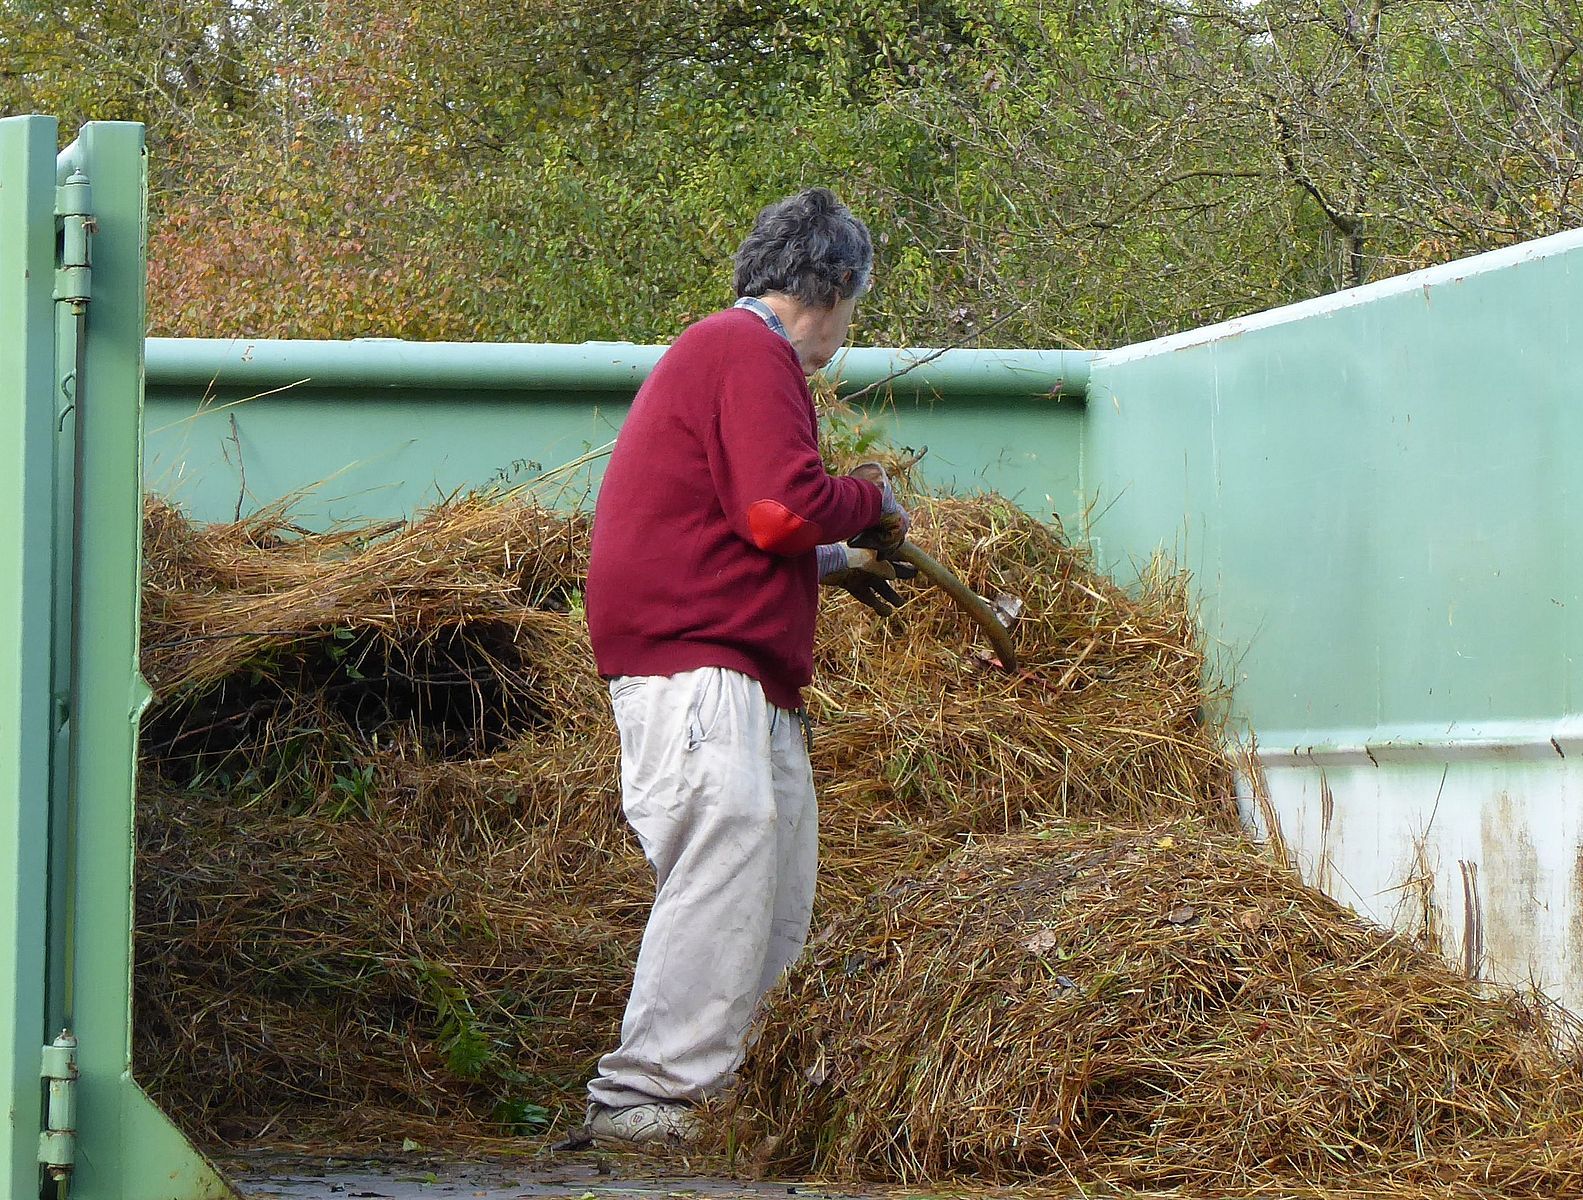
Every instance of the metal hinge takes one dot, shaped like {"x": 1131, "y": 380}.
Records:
{"x": 74, "y": 208}
{"x": 57, "y": 1143}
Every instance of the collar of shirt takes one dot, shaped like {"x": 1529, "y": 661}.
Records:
{"x": 754, "y": 305}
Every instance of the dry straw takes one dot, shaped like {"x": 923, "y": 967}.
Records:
{"x": 382, "y": 856}
{"x": 1160, "y": 1007}
{"x": 385, "y": 889}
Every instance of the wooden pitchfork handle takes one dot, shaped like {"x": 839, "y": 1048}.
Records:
{"x": 966, "y": 598}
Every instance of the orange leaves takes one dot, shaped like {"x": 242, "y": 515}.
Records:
{"x": 311, "y": 258}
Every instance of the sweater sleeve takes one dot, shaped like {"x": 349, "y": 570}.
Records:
{"x": 764, "y": 458}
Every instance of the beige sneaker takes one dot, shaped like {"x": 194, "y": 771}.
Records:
{"x": 645, "y": 1124}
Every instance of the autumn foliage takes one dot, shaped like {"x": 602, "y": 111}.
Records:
{"x": 1083, "y": 174}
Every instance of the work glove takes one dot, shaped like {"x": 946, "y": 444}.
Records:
{"x": 888, "y": 532}
{"x": 864, "y": 574}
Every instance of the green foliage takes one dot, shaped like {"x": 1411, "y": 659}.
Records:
{"x": 353, "y": 793}
{"x": 458, "y": 1032}
{"x": 341, "y": 650}
{"x": 521, "y": 1118}
{"x": 848, "y": 436}
{"x": 475, "y": 1047}
{"x": 1085, "y": 174}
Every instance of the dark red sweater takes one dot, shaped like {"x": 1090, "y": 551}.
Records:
{"x": 709, "y": 513}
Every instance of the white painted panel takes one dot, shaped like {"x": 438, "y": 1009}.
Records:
{"x": 1480, "y": 848}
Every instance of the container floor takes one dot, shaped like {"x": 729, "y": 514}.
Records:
{"x": 578, "y": 1177}
{"x": 594, "y": 1175}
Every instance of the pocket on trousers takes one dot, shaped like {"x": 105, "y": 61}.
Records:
{"x": 623, "y": 686}
{"x": 705, "y": 706}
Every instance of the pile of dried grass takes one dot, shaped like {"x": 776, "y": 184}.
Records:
{"x": 358, "y": 919}
{"x": 919, "y": 745}
{"x": 433, "y": 628}
{"x": 1162, "y": 1007}
{"x": 384, "y": 883}
{"x": 385, "y": 888}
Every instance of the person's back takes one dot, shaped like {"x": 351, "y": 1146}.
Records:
{"x": 714, "y": 498}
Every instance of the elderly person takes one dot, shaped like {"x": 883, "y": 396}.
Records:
{"x": 715, "y": 523}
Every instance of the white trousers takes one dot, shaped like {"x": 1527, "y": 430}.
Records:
{"x": 715, "y": 782}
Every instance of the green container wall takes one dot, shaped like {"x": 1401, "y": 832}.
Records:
{"x": 1376, "y": 493}
{"x": 380, "y": 428}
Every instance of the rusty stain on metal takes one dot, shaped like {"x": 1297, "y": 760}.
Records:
{"x": 1512, "y": 913}
{"x": 1572, "y": 954}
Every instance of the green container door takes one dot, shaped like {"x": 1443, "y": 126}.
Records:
{"x": 70, "y": 693}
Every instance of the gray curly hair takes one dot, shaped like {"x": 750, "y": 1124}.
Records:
{"x": 809, "y": 247}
